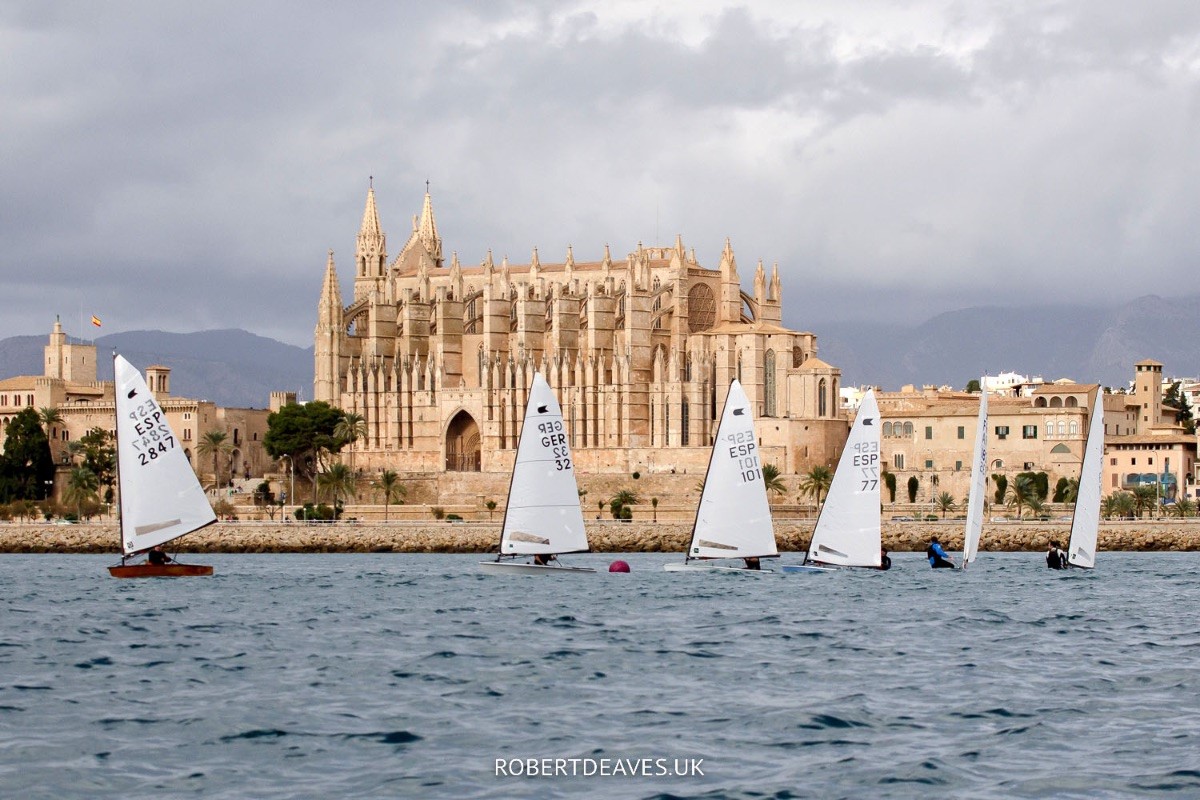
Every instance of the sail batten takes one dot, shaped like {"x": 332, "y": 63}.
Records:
{"x": 847, "y": 533}
{"x": 733, "y": 519}
{"x": 543, "y": 514}
{"x": 160, "y": 497}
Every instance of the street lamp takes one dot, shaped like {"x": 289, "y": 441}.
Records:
{"x": 291, "y": 482}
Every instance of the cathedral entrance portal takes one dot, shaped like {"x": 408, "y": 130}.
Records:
{"x": 462, "y": 444}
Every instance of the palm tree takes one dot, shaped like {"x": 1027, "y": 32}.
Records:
{"x": 772, "y": 479}
{"x": 1144, "y": 497}
{"x": 1124, "y": 504}
{"x": 490, "y": 505}
{"x": 1071, "y": 495}
{"x": 816, "y": 482}
{"x": 393, "y": 490}
{"x": 945, "y": 502}
{"x": 338, "y": 481}
{"x": 621, "y": 502}
{"x": 81, "y": 487}
{"x": 654, "y": 504}
{"x": 350, "y": 428}
{"x": 49, "y": 417}
{"x": 1183, "y": 507}
{"x": 1023, "y": 493}
{"x": 216, "y": 444}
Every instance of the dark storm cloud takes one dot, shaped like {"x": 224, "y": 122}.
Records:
{"x": 188, "y": 165}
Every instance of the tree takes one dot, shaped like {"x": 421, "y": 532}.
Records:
{"x": 815, "y": 483}
{"x": 305, "y": 433}
{"x": 97, "y": 451}
{"x": 490, "y": 505}
{"x": 50, "y": 419}
{"x": 1183, "y": 507}
{"x": 81, "y": 488}
{"x": 945, "y": 502}
{"x": 26, "y": 467}
{"x": 337, "y": 481}
{"x": 889, "y": 480}
{"x": 349, "y": 429}
{"x": 620, "y": 504}
{"x": 1023, "y": 493}
{"x": 654, "y": 505}
{"x": 1001, "y": 482}
{"x": 215, "y": 444}
{"x": 913, "y": 485}
{"x": 1145, "y": 498}
{"x": 1177, "y": 400}
{"x": 973, "y": 386}
{"x": 1060, "y": 491}
{"x": 772, "y": 479}
{"x": 393, "y": 490}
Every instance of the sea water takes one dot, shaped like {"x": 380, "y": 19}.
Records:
{"x": 347, "y": 676}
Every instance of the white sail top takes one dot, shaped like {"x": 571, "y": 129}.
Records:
{"x": 1085, "y": 525}
{"x": 543, "y": 513}
{"x": 734, "y": 518}
{"x": 979, "y": 484}
{"x": 847, "y": 532}
{"x": 160, "y": 497}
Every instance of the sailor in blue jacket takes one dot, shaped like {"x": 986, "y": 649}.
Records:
{"x": 937, "y": 556}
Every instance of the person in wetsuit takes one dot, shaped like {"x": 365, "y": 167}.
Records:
{"x": 884, "y": 561}
{"x": 937, "y": 556}
{"x": 1055, "y": 557}
{"x": 156, "y": 556}
{"x": 753, "y": 563}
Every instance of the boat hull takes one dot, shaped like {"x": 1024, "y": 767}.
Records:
{"x": 520, "y": 568}
{"x": 792, "y": 569}
{"x": 692, "y": 567}
{"x": 160, "y": 570}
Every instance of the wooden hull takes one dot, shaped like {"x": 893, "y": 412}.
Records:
{"x": 691, "y": 566}
{"x": 520, "y": 568}
{"x": 159, "y": 570}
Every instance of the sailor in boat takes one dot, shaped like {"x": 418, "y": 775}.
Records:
{"x": 543, "y": 560}
{"x": 884, "y": 561}
{"x": 1055, "y": 557}
{"x": 156, "y": 556}
{"x": 937, "y": 556}
{"x": 753, "y": 563}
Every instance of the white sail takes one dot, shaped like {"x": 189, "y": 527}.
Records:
{"x": 979, "y": 484}
{"x": 1085, "y": 525}
{"x": 847, "y": 532}
{"x": 543, "y": 515}
{"x": 160, "y": 498}
{"x": 734, "y": 518}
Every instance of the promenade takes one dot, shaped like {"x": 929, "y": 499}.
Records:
{"x": 608, "y": 537}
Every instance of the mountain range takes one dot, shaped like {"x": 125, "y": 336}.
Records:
{"x": 239, "y": 369}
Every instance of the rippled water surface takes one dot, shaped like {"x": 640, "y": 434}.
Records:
{"x": 335, "y": 676}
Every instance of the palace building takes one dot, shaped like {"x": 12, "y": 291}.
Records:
{"x": 437, "y": 357}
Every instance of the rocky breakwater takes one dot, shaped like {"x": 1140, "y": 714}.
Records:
{"x": 607, "y": 537}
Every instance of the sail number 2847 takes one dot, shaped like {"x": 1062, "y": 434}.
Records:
{"x": 155, "y": 435}
{"x": 554, "y": 439}
{"x": 866, "y": 459}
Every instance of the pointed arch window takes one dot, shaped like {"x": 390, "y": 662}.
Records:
{"x": 685, "y": 417}
{"x": 769, "y": 380}
{"x": 822, "y": 399}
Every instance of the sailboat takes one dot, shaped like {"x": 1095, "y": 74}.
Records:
{"x": 160, "y": 498}
{"x": 733, "y": 519}
{"x": 1085, "y": 523}
{"x": 979, "y": 478}
{"x": 847, "y": 533}
{"x": 542, "y": 517}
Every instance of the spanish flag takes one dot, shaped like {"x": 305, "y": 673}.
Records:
{"x": 95, "y": 320}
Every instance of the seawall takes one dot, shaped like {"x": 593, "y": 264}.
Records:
{"x": 609, "y": 537}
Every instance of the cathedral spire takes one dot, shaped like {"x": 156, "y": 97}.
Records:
{"x": 370, "y": 254}
{"x": 370, "y": 221}
{"x": 427, "y": 228}
{"x": 331, "y": 293}
{"x": 776, "y": 287}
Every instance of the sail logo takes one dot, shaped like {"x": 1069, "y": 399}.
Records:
{"x": 543, "y": 410}
{"x": 132, "y": 394}
{"x": 737, "y": 412}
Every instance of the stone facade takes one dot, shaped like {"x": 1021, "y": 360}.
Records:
{"x": 640, "y": 350}
{"x": 69, "y": 385}
{"x": 929, "y": 434}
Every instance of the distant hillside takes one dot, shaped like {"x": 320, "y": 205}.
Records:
{"x": 231, "y": 368}
{"x": 1089, "y": 345}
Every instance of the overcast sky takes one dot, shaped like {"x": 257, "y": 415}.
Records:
{"x": 187, "y": 166}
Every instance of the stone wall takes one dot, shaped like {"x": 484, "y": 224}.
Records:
{"x": 427, "y": 537}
